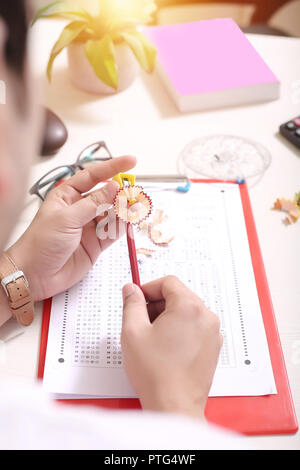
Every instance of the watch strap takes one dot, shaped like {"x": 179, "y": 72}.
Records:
{"x": 17, "y": 290}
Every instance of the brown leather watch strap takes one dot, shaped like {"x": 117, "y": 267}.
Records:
{"x": 17, "y": 290}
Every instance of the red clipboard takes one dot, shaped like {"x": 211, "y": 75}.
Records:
{"x": 270, "y": 414}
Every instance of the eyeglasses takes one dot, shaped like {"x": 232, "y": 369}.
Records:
{"x": 97, "y": 152}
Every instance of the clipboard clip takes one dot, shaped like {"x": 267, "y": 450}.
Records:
{"x": 184, "y": 188}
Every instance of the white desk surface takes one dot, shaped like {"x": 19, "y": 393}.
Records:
{"x": 143, "y": 121}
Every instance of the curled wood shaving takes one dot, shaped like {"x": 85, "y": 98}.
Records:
{"x": 159, "y": 217}
{"x": 132, "y": 213}
{"x": 144, "y": 251}
{"x": 290, "y": 207}
{"x": 143, "y": 226}
{"x": 156, "y": 229}
{"x": 158, "y": 238}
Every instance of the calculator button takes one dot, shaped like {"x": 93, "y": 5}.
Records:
{"x": 296, "y": 121}
{"x": 291, "y": 126}
{"x": 297, "y": 133}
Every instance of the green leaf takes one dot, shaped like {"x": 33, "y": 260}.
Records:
{"x": 63, "y": 10}
{"x": 102, "y": 57}
{"x": 40, "y": 13}
{"x": 142, "y": 48}
{"x": 68, "y": 35}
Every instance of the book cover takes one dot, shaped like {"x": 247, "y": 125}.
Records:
{"x": 211, "y": 64}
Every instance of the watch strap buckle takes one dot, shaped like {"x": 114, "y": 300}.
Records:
{"x": 13, "y": 278}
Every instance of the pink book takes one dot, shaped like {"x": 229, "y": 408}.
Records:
{"x": 211, "y": 64}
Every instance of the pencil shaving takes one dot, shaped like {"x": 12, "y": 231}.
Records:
{"x": 132, "y": 205}
{"x": 157, "y": 231}
{"x": 290, "y": 207}
{"x": 159, "y": 217}
{"x": 158, "y": 238}
{"x": 143, "y": 226}
{"x": 145, "y": 251}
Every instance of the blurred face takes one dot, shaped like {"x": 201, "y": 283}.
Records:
{"x": 19, "y": 138}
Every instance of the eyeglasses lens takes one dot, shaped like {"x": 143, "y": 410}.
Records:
{"x": 93, "y": 154}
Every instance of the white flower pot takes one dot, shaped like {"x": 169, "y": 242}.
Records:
{"x": 83, "y": 76}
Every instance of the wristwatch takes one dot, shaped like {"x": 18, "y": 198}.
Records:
{"x": 16, "y": 288}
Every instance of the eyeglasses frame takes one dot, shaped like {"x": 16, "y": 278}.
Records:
{"x": 72, "y": 169}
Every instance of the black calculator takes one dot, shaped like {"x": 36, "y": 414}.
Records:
{"x": 291, "y": 131}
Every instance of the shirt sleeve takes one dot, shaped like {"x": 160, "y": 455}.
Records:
{"x": 30, "y": 420}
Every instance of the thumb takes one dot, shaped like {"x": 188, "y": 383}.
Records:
{"x": 135, "y": 313}
{"x": 85, "y": 210}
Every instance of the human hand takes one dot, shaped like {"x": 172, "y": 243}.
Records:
{"x": 170, "y": 361}
{"x": 61, "y": 245}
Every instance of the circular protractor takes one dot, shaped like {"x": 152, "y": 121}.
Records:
{"x": 224, "y": 157}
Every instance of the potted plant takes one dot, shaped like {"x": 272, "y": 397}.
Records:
{"x": 103, "y": 50}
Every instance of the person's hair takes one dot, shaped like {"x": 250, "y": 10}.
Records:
{"x": 13, "y": 13}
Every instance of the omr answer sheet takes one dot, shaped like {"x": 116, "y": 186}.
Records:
{"x": 209, "y": 252}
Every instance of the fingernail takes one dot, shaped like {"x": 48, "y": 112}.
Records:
{"x": 128, "y": 290}
{"x": 110, "y": 190}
